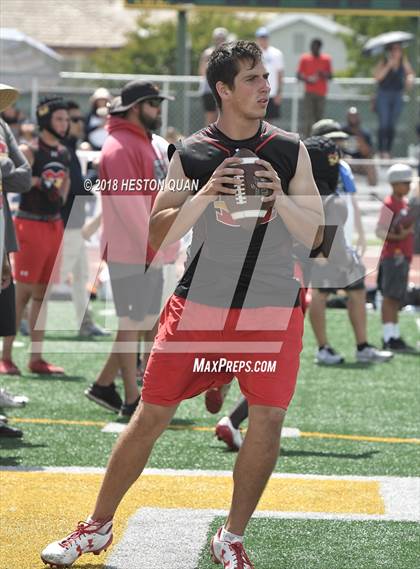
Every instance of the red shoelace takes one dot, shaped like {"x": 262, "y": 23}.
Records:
{"x": 240, "y": 554}
{"x": 82, "y": 529}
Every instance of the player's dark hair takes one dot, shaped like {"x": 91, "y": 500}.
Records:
{"x": 224, "y": 63}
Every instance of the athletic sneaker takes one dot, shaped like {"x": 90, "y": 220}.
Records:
{"x": 107, "y": 396}
{"x": 370, "y": 354}
{"x": 230, "y": 555}
{"x": 398, "y": 345}
{"x": 7, "y": 367}
{"x": 44, "y": 368}
{"x": 91, "y": 330}
{"x": 327, "y": 356}
{"x": 227, "y": 433}
{"x": 127, "y": 409}
{"x": 89, "y": 537}
{"x": 9, "y": 432}
{"x": 214, "y": 398}
{"x": 9, "y": 400}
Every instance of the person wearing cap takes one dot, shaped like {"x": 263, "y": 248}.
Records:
{"x": 219, "y": 36}
{"x": 15, "y": 176}
{"x": 129, "y": 160}
{"x": 39, "y": 228}
{"x": 274, "y": 62}
{"x": 96, "y": 118}
{"x": 359, "y": 145}
{"x": 315, "y": 70}
{"x": 343, "y": 269}
{"x": 331, "y": 129}
{"x": 396, "y": 228}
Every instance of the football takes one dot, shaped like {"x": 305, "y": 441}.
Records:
{"x": 246, "y": 206}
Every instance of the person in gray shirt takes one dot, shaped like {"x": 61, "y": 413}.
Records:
{"x": 16, "y": 178}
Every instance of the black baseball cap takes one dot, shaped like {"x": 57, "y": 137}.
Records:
{"x": 136, "y": 92}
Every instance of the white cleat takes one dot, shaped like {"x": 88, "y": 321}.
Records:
{"x": 227, "y": 433}
{"x": 230, "y": 555}
{"x": 89, "y": 537}
{"x": 370, "y": 354}
{"x": 328, "y": 356}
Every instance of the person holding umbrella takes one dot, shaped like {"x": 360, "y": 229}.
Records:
{"x": 393, "y": 75}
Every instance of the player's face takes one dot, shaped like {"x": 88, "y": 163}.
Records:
{"x": 251, "y": 90}
{"x": 60, "y": 121}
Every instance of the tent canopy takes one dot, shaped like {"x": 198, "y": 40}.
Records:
{"x": 24, "y": 59}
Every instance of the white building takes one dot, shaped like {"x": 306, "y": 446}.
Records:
{"x": 292, "y": 34}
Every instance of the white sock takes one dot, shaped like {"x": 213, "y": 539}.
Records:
{"x": 397, "y": 333}
{"x": 230, "y": 537}
{"x": 388, "y": 329}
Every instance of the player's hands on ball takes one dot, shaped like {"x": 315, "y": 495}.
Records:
{"x": 271, "y": 181}
{"x": 224, "y": 174}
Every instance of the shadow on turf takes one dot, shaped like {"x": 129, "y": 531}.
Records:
{"x": 345, "y": 365}
{"x": 14, "y": 444}
{"x": 57, "y": 376}
{"x": 359, "y": 456}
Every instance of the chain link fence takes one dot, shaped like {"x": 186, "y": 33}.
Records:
{"x": 186, "y": 112}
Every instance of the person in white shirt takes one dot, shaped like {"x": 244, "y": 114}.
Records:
{"x": 274, "y": 62}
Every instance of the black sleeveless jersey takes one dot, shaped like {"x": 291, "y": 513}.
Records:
{"x": 227, "y": 265}
{"x": 51, "y": 164}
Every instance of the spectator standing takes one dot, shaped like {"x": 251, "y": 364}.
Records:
{"x": 342, "y": 268}
{"x": 74, "y": 258}
{"x": 396, "y": 256}
{"x": 219, "y": 36}
{"x": 359, "y": 145}
{"x": 39, "y": 227}
{"x": 274, "y": 61}
{"x": 315, "y": 70}
{"x": 393, "y": 75}
{"x": 16, "y": 178}
{"x": 128, "y": 158}
{"x": 17, "y": 175}
{"x": 96, "y": 118}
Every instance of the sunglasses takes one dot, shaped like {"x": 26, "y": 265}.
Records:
{"x": 154, "y": 102}
{"x": 77, "y": 119}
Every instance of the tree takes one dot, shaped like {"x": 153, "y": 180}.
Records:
{"x": 366, "y": 27}
{"x": 152, "y": 48}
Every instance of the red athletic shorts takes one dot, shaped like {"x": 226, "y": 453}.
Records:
{"x": 199, "y": 346}
{"x": 39, "y": 249}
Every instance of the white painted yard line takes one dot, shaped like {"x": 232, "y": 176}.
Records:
{"x": 402, "y": 499}
{"x": 287, "y": 432}
{"x": 161, "y": 538}
{"x": 184, "y": 533}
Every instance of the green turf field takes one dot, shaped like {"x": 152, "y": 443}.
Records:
{"x": 381, "y": 402}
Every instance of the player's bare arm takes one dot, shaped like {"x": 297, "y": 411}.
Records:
{"x": 301, "y": 210}
{"x": 174, "y": 213}
{"x": 29, "y": 155}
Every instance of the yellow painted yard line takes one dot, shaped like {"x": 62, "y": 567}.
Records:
{"x": 360, "y": 438}
{"x": 58, "y": 422}
{"x": 46, "y": 506}
{"x": 391, "y": 440}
